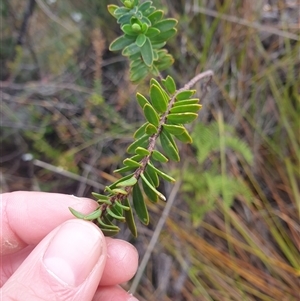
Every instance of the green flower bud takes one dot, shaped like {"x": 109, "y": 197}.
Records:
{"x": 128, "y": 4}
{"x": 136, "y": 27}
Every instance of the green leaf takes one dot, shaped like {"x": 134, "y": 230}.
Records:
{"x": 122, "y": 206}
{"x": 167, "y": 144}
{"x": 77, "y": 213}
{"x": 142, "y": 151}
{"x": 130, "y": 219}
{"x": 151, "y": 115}
{"x": 111, "y": 9}
{"x": 99, "y": 196}
{"x": 151, "y": 129}
{"x": 152, "y": 32}
{"x": 157, "y": 99}
{"x": 138, "y": 73}
{"x": 184, "y": 137}
{"x": 142, "y": 100}
{"x": 137, "y": 158}
{"x": 110, "y": 232}
{"x": 131, "y": 50}
{"x": 147, "y": 182}
{"x": 131, "y": 163}
{"x": 124, "y": 169}
{"x": 166, "y": 24}
{"x": 174, "y": 129}
{"x": 140, "y": 131}
{"x": 119, "y": 191}
{"x": 115, "y": 215}
{"x": 162, "y": 174}
{"x": 144, "y": 6}
{"x": 127, "y": 29}
{"x": 127, "y": 182}
{"x": 147, "y": 52}
{"x": 164, "y": 62}
{"x": 185, "y": 102}
{"x": 164, "y": 36}
{"x": 121, "y": 11}
{"x": 139, "y": 205}
{"x": 103, "y": 225}
{"x": 158, "y": 156}
{"x": 170, "y": 85}
{"x": 186, "y": 108}
{"x": 153, "y": 175}
{"x": 182, "y": 117}
{"x": 121, "y": 42}
{"x": 140, "y": 40}
{"x": 142, "y": 142}
{"x": 114, "y": 185}
{"x": 185, "y": 94}
{"x": 151, "y": 195}
{"x": 156, "y": 16}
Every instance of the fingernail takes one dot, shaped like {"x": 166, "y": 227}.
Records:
{"x": 73, "y": 252}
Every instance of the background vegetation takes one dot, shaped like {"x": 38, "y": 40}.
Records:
{"x": 233, "y": 231}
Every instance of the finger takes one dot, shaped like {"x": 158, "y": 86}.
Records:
{"x": 114, "y": 293}
{"x": 121, "y": 263}
{"x": 66, "y": 265}
{"x": 121, "y": 256}
{"x": 27, "y": 217}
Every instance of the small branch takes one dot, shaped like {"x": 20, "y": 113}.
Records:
{"x": 154, "y": 137}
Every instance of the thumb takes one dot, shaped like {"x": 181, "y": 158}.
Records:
{"x": 66, "y": 265}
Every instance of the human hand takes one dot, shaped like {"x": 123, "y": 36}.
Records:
{"x": 46, "y": 254}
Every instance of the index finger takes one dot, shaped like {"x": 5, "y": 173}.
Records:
{"x": 27, "y": 217}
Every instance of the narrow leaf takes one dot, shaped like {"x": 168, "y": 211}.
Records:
{"x": 123, "y": 207}
{"x": 153, "y": 175}
{"x": 151, "y": 129}
{"x": 158, "y": 99}
{"x": 142, "y": 142}
{"x": 110, "y": 232}
{"x": 151, "y": 195}
{"x": 140, "y": 40}
{"x": 114, "y": 215}
{"x": 147, "y": 52}
{"x": 142, "y": 100}
{"x": 185, "y": 94}
{"x": 160, "y": 195}
{"x": 127, "y": 182}
{"x": 110, "y": 226}
{"x": 186, "y": 109}
{"x": 140, "y": 131}
{"x": 184, "y": 137}
{"x": 131, "y": 50}
{"x": 166, "y": 24}
{"x": 168, "y": 146}
{"x": 142, "y": 151}
{"x": 99, "y": 196}
{"x": 131, "y": 163}
{"x": 182, "y": 117}
{"x": 140, "y": 205}
{"x": 130, "y": 219}
{"x": 158, "y": 156}
{"x": 111, "y": 9}
{"x": 162, "y": 174}
{"x": 156, "y": 16}
{"x": 121, "y": 42}
{"x": 185, "y": 102}
{"x": 174, "y": 129}
{"x": 170, "y": 85}
{"x": 124, "y": 169}
{"x": 151, "y": 115}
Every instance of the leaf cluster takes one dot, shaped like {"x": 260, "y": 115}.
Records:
{"x": 145, "y": 32}
{"x": 166, "y": 110}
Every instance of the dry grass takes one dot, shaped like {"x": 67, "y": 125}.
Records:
{"x": 78, "y": 113}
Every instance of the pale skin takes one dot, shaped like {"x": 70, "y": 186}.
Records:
{"x": 46, "y": 254}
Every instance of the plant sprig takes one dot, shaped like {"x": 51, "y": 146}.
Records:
{"x": 166, "y": 110}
